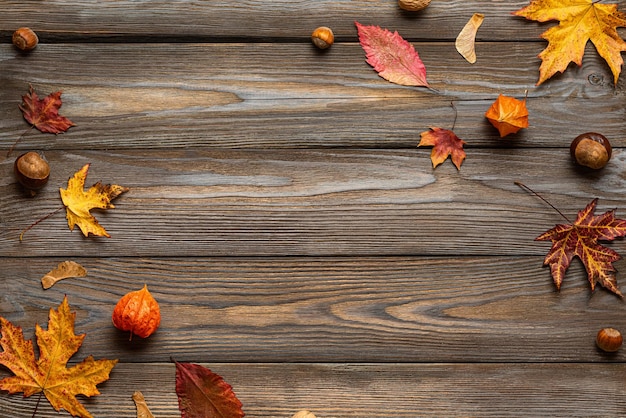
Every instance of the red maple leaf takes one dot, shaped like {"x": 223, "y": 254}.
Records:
{"x": 43, "y": 114}
{"x": 581, "y": 239}
{"x": 392, "y": 57}
{"x": 204, "y": 394}
{"x": 445, "y": 143}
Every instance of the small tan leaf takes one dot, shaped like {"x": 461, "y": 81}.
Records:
{"x": 467, "y": 37}
{"x": 142, "y": 407}
{"x": 64, "y": 270}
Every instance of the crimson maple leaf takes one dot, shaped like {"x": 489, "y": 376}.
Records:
{"x": 581, "y": 239}
{"x": 445, "y": 143}
{"x": 43, "y": 114}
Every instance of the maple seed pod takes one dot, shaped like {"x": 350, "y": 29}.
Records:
{"x": 25, "y": 39}
{"x": 609, "y": 340}
{"x": 137, "y": 312}
{"x": 413, "y": 5}
{"x": 304, "y": 414}
{"x": 591, "y": 150}
{"x": 32, "y": 171}
{"x": 322, "y": 37}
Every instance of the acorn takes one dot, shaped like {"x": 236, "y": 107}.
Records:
{"x": 32, "y": 171}
{"x": 323, "y": 37}
{"x": 609, "y": 340}
{"x": 25, "y": 39}
{"x": 591, "y": 150}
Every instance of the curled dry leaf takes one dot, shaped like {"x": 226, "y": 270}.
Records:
{"x": 142, "y": 407}
{"x": 304, "y": 414}
{"x": 465, "y": 42}
{"x": 64, "y": 270}
{"x": 508, "y": 115}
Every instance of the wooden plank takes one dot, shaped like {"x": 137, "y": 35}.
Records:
{"x": 230, "y": 95}
{"x": 370, "y": 390}
{"x": 276, "y": 19}
{"x": 355, "y": 309}
{"x": 310, "y": 202}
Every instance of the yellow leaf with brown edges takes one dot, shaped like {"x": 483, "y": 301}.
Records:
{"x": 580, "y": 21}
{"x": 142, "y": 407}
{"x": 465, "y": 41}
{"x": 78, "y": 203}
{"x": 64, "y": 270}
{"x": 49, "y": 374}
{"x": 508, "y": 115}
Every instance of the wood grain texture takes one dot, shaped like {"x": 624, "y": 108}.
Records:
{"x": 276, "y": 19}
{"x": 308, "y": 202}
{"x": 291, "y": 96}
{"x": 367, "y": 309}
{"x": 371, "y": 390}
{"x": 297, "y": 240}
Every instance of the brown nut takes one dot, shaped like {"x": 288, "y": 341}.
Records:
{"x": 323, "y": 37}
{"x": 304, "y": 414}
{"x": 32, "y": 170}
{"x": 413, "y": 5}
{"x": 609, "y": 339}
{"x": 25, "y": 39}
{"x": 591, "y": 150}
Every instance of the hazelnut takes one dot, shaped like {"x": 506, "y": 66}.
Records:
{"x": 304, "y": 414}
{"x": 609, "y": 339}
{"x": 322, "y": 37}
{"x": 32, "y": 171}
{"x": 25, "y": 39}
{"x": 591, "y": 150}
{"x": 413, "y": 5}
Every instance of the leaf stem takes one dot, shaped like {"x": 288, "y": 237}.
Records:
{"x": 18, "y": 140}
{"x": 456, "y": 114}
{"x": 523, "y": 186}
{"x": 54, "y": 212}
{"x": 37, "y": 404}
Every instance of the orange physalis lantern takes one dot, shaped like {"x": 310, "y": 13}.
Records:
{"x": 137, "y": 312}
{"x": 508, "y": 115}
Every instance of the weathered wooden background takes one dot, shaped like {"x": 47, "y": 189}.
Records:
{"x": 297, "y": 240}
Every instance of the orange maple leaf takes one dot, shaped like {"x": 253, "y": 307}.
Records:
{"x": 49, "y": 374}
{"x": 508, "y": 115}
{"x": 78, "y": 203}
{"x": 581, "y": 239}
{"x": 43, "y": 114}
{"x": 445, "y": 143}
{"x": 579, "y": 22}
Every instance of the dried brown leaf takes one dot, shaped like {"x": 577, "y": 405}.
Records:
{"x": 142, "y": 407}
{"x": 64, "y": 270}
{"x": 465, "y": 41}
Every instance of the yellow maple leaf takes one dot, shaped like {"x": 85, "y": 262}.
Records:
{"x": 580, "y": 21}
{"x": 49, "y": 374}
{"x": 78, "y": 203}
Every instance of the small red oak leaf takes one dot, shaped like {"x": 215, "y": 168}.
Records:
{"x": 445, "y": 143}
{"x": 43, "y": 114}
